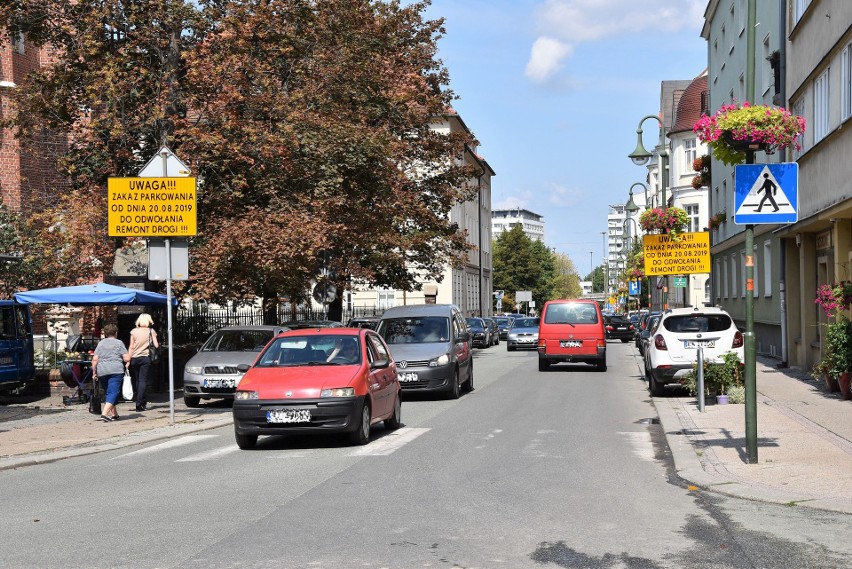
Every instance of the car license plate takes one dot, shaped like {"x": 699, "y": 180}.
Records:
{"x": 288, "y": 416}
{"x": 570, "y": 343}
{"x": 695, "y": 344}
{"x": 214, "y": 383}
{"x": 407, "y": 376}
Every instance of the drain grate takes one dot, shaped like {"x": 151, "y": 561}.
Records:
{"x": 653, "y": 421}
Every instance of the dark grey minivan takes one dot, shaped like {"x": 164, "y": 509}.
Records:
{"x": 431, "y": 346}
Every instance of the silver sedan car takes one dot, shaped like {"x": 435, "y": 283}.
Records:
{"x": 522, "y": 334}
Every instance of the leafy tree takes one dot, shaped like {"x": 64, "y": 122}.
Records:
{"x": 308, "y": 122}
{"x": 515, "y": 264}
{"x": 566, "y": 281}
{"x": 597, "y": 277}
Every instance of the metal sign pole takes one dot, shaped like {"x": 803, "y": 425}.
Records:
{"x": 165, "y": 156}
{"x": 701, "y": 379}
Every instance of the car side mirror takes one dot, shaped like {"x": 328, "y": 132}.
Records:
{"x": 242, "y": 368}
{"x": 464, "y": 336}
{"x": 379, "y": 364}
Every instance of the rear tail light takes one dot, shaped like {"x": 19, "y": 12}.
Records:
{"x": 630, "y": 327}
{"x": 738, "y": 340}
{"x": 609, "y": 328}
{"x": 660, "y": 342}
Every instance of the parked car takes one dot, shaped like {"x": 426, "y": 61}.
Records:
{"x": 494, "y": 329}
{"x": 672, "y": 348}
{"x": 363, "y": 322}
{"x": 212, "y": 372}
{"x": 318, "y": 380}
{"x": 645, "y": 321}
{"x": 480, "y": 332}
{"x": 571, "y": 330}
{"x": 302, "y": 324}
{"x": 619, "y": 328}
{"x": 431, "y": 345}
{"x": 523, "y": 334}
{"x": 503, "y": 323}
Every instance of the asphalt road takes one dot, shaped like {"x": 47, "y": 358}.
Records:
{"x": 558, "y": 469}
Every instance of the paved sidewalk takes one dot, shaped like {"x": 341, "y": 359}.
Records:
{"x": 804, "y": 437}
{"x": 41, "y": 429}
{"x": 804, "y": 433}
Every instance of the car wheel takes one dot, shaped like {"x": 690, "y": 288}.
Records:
{"x": 395, "y": 420}
{"x": 543, "y": 364}
{"x": 654, "y": 387}
{"x": 468, "y": 385}
{"x": 510, "y": 348}
{"x": 602, "y": 363}
{"x": 361, "y": 435}
{"x": 455, "y": 387}
{"x": 245, "y": 442}
{"x": 625, "y": 340}
{"x": 191, "y": 401}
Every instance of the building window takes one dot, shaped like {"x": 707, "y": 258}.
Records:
{"x": 799, "y": 8}
{"x": 688, "y": 154}
{"x": 18, "y": 43}
{"x": 725, "y": 278}
{"x": 767, "y": 269}
{"x": 846, "y": 83}
{"x": 821, "y": 106}
{"x": 385, "y": 298}
{"x": 735, "y": 274}
{"x": 692, "y": 213}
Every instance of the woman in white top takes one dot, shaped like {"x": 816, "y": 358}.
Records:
{"x": 141, "y": 338}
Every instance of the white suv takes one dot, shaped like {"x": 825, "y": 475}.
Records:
{"x": 672, "y": 347}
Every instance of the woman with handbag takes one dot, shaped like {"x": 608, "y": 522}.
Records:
{"x": 143, "y": 344}
{"x": 108, "y": 368}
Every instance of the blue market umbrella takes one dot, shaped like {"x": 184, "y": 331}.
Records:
{"x": 91, "y": 295}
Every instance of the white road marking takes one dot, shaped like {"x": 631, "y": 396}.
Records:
{"x": 642, "y": 445}
{"x": 188, "y": 439}
{"x": 389, "y": 443}
{"x": 210, "y": 455}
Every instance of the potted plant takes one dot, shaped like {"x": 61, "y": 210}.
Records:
{"x": 735, "y": 129}
{"x": 834, "y": 298}
{"x": 719, "y": 378}
{"x": 672, "y": 220}
{"x": 837, "y": 353}
{"x": 716, "y": 220}
{"x": 702, "y": 166}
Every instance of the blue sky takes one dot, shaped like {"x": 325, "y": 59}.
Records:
{"x": 554, "y": 91}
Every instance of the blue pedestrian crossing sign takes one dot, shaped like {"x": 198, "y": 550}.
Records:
{"x": 766, "y": 193}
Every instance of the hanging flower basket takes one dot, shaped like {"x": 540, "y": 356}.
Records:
{"x": 716, "y": 220}
{"x": 664, "y": 220}
{"x": 834, "y": 298}
{"x": 734, "y": 129}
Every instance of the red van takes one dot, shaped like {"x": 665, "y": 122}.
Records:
{"x": 571, "y": 330}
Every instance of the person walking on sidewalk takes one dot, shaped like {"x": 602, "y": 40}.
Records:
{"x": 108, "y": 367}
{"x": 141, "y": 339}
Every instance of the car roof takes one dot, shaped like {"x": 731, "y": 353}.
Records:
{"x": 254, "y": 327}
{"x": 419, "y": 310}
{"x": 695, "y": 310}
{"x": 327, "y": 331}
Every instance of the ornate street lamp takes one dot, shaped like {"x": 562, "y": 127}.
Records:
{"x": 647, "y": 201}
{"x": 640, "y": 156}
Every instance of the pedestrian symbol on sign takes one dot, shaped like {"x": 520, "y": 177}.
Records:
{"x": 766, "y": 193}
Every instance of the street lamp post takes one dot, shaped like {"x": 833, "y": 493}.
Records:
{"x": 630, "y": 209}
{"x": 645, "y": 187}
{"x": 605, "y": 264}
{"x": 592, "y": 264}
{"x": 640, "y": 157}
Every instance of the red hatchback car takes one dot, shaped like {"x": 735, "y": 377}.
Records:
{"x": 318, "y": 380}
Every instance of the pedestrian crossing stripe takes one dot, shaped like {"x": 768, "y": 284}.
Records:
{"x": 766, "y": 193}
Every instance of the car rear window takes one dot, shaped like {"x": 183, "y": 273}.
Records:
{"x": 698, "y": 323}
{"x": 571, "y": 313}
{"x": 237, "y": 341}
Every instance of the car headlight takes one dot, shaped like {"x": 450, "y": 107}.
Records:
{"x": 441, "y": 360}
{"x": 245, "y": 395}
{"x": 193, "y": 369}
{"x": 338, "y": 392}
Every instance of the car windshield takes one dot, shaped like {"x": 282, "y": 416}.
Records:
{"x": 237, "y": 341}
{"x": 502, "y": 321}
{"x": 571, "y": 313}
{"x": 697, "y": 323}
{"x": 325, "y": 349}
{"x": 525, "y": 323}
{"x": 415, "y": 330}
{"x": 475, "y": 323}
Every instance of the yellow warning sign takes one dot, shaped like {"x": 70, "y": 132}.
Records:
{"x": 152, "y": 207}
{"x": 689, "y": 253}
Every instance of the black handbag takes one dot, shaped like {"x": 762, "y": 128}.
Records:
{"x": 95, "y": 399}
{"x": 153, "y": 353}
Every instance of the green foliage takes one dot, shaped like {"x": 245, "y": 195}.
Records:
{"x": 837, "y": 348}
{"x": 736, "y": 394}
{"x": 717, "y": 377}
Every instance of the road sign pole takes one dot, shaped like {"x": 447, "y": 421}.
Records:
{"x": 750, "y": 363}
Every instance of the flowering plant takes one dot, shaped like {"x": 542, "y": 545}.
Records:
{"x": 733, "y": 126}
{"x": 716, "y": 220}
{"x": 702, "y": 166}
{"x": 833, "y": 298}
{"x": 664, "y": 220}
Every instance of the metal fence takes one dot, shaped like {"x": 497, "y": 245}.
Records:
{"x": 195, "y": 327}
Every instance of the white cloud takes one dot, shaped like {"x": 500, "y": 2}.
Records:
{"x": 565, "y": 23}
{"x": 560, "y": 196}
{"x": 546, "y": 58}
